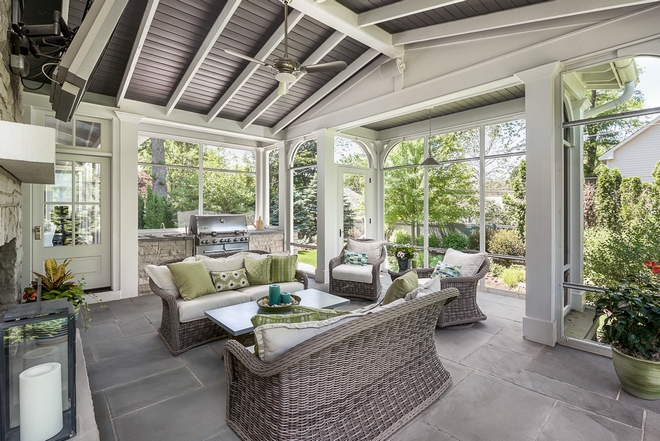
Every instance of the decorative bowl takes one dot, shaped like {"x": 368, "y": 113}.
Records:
{"x": 263, "y": 304}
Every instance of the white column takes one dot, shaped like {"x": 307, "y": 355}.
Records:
{"x": 261, "y": 184}
{"x": 544, "y": 197}
{"x": 328, "y": 209}
{"x": 285, "y": 194}
{"x": 378, "y": 215}
{"x": 125, "y": 166}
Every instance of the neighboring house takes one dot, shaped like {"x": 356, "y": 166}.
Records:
{"x": 638, "y": 154}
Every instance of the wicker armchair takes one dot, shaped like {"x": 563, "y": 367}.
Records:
{"x": 180, "y": 337}
{"x": 464, "y": 311}
{"x": 362, "y": 380}
{"x": 349, "y": 288}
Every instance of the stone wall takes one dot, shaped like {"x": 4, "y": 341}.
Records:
{"x": 11, "y": 251}
{"x": 271, "y": 241}
{"x": 152, "y": 251}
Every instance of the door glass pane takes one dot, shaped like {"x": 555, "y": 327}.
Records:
{"x": 88, "y": 134}
{"x": 88, "y": 224}
{"x": 88, "y": 182}
{"x": 58, "y": 229}
{"x": 60, "y": 191}
{"x": 64, "y": 130}
{"x": 353, "y": 203}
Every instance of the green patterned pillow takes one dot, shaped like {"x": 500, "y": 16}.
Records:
{"x": 258, "y": 270}
{"x": 226, "y": 280}
{"x": 267, "y": 319}
{"x": 355, "y": 258}
{"x": 323, "y": 314}
{"x": 446, "y": 270}
{"x": 283, "y": 269}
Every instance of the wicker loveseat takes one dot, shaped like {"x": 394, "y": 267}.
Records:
{"x": 362, "y": 380}
{"x": 181, "y": 336}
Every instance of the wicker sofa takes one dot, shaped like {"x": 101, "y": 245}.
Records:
{"x": 181, "y": 336}
{"x": 362, "y": 380}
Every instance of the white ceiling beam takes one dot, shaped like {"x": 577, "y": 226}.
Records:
{"x": 333, "y": 14}
{"x": 145, "y": 24}
{"x": 400, "y": 9}
{"x": 213, "y": 35}
{"x": 251, "y": 68}
{"x": 335, "y": 82}
{"x": 512, "y": 17}
{"x": 317, "y": 56}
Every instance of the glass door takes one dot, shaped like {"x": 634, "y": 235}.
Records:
{"x": 354, "y": 212}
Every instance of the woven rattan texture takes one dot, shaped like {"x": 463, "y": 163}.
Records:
{"x": 361, "y": 381}
{"x": 180, "y": 337}
{"x": 346, "y": 288}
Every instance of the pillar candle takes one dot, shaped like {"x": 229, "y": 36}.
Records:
{"x": 285, "y": 297}
{"x": 274, "y": 295}
{"x": 40, "y": 399}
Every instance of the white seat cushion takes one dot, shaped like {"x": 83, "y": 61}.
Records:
{"x": 353, "y": 273}
{"x": 469, "y": 263}
{"x": 222, "y": 264}
{"x": 373, "y": 249}
{"x": 257, "y": 291}
{"x": 194, "y": 309}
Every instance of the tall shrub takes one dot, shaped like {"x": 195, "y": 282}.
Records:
{"x": 516, "y": 203}
{"x": 607, "y": 199}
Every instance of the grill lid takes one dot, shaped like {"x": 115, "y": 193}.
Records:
{"x": 214, "y": 224}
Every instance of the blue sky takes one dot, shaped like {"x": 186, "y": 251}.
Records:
{"x": 650, "y": 80}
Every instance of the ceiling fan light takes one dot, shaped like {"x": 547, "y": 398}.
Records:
{"x": 285, "y": 77}
{"x": 282, "y": 89}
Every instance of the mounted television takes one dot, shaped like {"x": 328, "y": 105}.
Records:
{"x": 77, "y": 66}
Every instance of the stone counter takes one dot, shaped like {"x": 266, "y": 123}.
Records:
{"x": 153, "y": 250}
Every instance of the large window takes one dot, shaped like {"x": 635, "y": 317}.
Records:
{"x": 274, "y": 187}
{"x": 177, "y": 179}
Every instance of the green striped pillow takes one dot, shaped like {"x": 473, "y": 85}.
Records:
{"x": 323, "y": 314}
{"x": 283, "y": 269}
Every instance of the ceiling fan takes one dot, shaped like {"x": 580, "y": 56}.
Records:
{"x": 286, "y": 69}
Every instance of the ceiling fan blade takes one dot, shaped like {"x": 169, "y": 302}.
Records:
{"x": 283, "y": 88}
{"x": 334, "y": 66}
{"x": 245, "y": 57}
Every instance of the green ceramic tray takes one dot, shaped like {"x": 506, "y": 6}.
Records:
{"x": 295, "y": 300}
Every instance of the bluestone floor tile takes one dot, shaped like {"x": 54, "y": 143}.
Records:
{"x": 194, "y": 416}
{"x": 500, "y": 362}
{"x": 456, "y": 344}
{"x": 115, "y": 371}
{"x": 147, "y": 391}
{"x": 509, "y": 312}
{"x": 570, "y": 423}
{"x": 135, "y": 325}
{"x": 205, "y": 364}
{"x": 513, "y": 340}
{"x": 652, "y": 405}
{"x": 492, "y": 297}
{"x": 420, "y": 431}
{"x": 225, "y": 435}
{"x": 652, "y": 427}
{"x": 484, "y": 408}
{"x": 129, "y": 345}
{"x": 487, "y": 306}
{"x": 494, "y": 324}
{"x": 101, "y": 316}
{"x": 458, "y": 371}
{"x": 588, "y": 371}
{"x": 101, "y": 333}
{"x": 608, "y": 407}
{"x": 155, "y": 316}
{"x": 513, "y": 301}
{"x": 102, "y": 416}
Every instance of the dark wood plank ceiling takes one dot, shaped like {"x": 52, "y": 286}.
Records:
{"x": 179, "y": 29}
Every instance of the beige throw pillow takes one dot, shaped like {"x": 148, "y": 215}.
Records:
{"x": 373, "y": 249}
{"x": 469, "y": 263}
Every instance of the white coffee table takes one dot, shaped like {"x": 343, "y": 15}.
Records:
{"x": 235, "y": 319}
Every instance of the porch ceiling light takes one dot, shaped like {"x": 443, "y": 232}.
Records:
{"x": 430, "y": 160}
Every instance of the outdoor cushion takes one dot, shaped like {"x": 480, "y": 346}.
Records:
{"x": 353, "y": 273}
{"x": 426, "y": 286}
{"x": 230, "y": 263}
{"x": 283, "y": 268}
{"x": 226, "y": 280}
{"x": 469, "y": 263}
{"x": 322, "y": 313}
{"x": 192, "y": 279}
{"x": 355, "y": 258}
{"x": 162, "y": 277}
{"x": 275, "y": 339}
{"x": 373, "y": 249}
{"x": 258, "y": 271}
{"x": 400, "y": 287}
{"x": 444, "y": 269}
{"x": 257, "y": 291}
{"x": 189, "y": 311}
{"x": 267, "y": 319}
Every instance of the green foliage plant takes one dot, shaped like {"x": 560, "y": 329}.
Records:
{"x": 508, "y": 243}
{"x": 631, "y": 312}
{"x": 434, "y": 241}
{"x": 474, "y": 239}
{"x": 513, "y": 275}
{"x": 400, "y": 236}
{"x": 455, "y": 240}
{"x": 516, "y": 203}
{"x": 607, "y": 199}
{"x": 405, "y": 251}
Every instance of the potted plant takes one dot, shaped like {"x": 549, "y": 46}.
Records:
{"x": 404, "y": 253}
{"x": 631, "y": 324}
{"x": 56, "y": 284}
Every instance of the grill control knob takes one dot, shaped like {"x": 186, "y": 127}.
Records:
{"x": 215, "y": 240}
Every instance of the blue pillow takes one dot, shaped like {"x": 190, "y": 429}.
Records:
{"x": 355, "y": 258}
{"x": 446, "y": 270}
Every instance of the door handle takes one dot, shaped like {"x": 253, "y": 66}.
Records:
{"x": 37, "y": 233}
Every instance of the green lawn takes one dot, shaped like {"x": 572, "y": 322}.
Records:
{"x": 307, "y": 256}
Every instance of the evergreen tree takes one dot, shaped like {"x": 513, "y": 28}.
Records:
{"x": 516, "y": 204}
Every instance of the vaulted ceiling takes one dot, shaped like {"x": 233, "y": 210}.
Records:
{"x": 170, "y": 53}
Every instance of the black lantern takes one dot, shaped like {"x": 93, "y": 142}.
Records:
{"x": 38, "y": 371}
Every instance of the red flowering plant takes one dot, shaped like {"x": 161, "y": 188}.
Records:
{"x": 631, "y": 315}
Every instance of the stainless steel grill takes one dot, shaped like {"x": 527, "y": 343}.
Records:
{"x": 216, "y": 233}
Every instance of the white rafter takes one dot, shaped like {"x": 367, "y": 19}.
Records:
{"x": 147, "y": 18}
{"x": 333, "y": 14}
{"x": 400, "y": 9}
{"x": 264, "y": 52}
{"x": 512, "y": 17}
{"x": 213, "y": 35}
{"x": 335, "y": 82}
{"x": 317, "y": 56}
